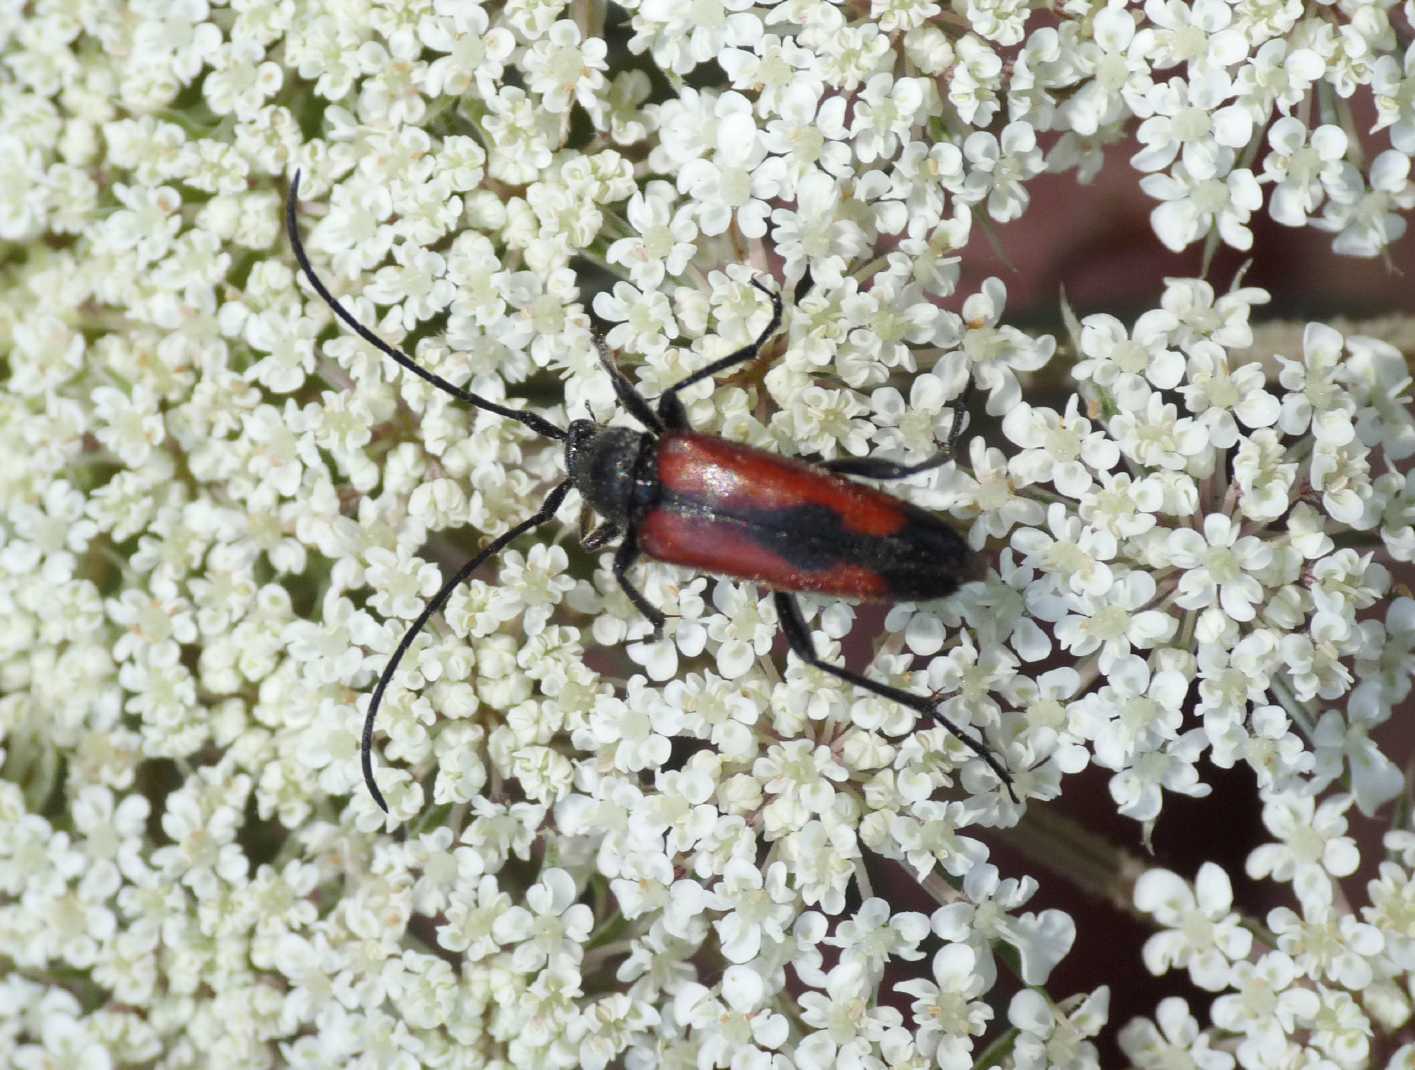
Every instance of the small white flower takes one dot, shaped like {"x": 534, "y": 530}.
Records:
{"x": 975, "y": 86}
{"x": 663, "y": 244}
{"x": 471, "y": 918}
{"x": 1324, "y": 943}
{"x": 847, "y": 1027}
{"x": 1115, "y": 621}
{"x": 1128, "y": 366}
{"x": 1219, "y": 566}
{"x": 1266, "y": 1006}
{"x": 562, "y": 67}
{"x": 738, "y": 1026}
{"x": 884, "y": 111}
{"x": 796, "y": 776}
{"x": 550, "y": 928}
{"x": 531, "y": 586}
{"x": 947, "y": 1009}
{"x": 1203, "y": 932}
{"x": 1344, "y": 745}
{"x": 1367, "y": 214}
{"x": 241, "y": 79}
{"x": 743, "y": 626}
{"x": 1158, "y": 437}
{"x": 1262, "y": 470}
{"x": 1199, "y": 33}
{"x": 1218, "y": 394}
{"x": 816, "y": 232}
{"x": 417, "y": 285}
{"x": 872, "y": 937}
{"x": 636, "y": 730}
{"x": 931, "y": 836}
{"x": 732, "y": 184}
{"x": 998, "y": 169}
{"x": 1073, "y": 552}
{"x": 644, "y": 321}
{"x": 1391, "y": 82}
{"x": 1300, "y": 170}
{"x": 1189, "y": 117}
{"x": 1314, "y": 845}
{"x": 1173, "y": 1038}
{"x": 1196, "y": 205}
{"x": 1050, "y": 1035}
{"x": 1060, "y": 449}
{"x": 991, "y": 911}
{"x": 758, "y": 908}
{"x": 400, "y": 585}
{"x": 679, "y": 38}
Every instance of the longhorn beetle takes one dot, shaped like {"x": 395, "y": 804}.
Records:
{"x": 688, "y": 499}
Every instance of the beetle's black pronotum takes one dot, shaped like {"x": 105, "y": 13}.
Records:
{"x": 696, "y": 500}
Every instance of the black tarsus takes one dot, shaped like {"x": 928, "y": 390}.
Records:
{"x": 960, "y": 409}
{"x": 798, "y": 637}
{"x": 538, "y": 424}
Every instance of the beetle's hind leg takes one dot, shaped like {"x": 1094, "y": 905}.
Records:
{"x": 798, "y": 637}
{"x": 624, "y": 559}
{"x": 874, "y": 468}
{"x": 871, "y": 468}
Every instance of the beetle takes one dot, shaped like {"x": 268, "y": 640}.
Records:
{"x": 672, "y": 494}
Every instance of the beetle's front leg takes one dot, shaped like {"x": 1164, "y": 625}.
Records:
{"x": 798, "y": 637}
{"x": 625, "y": 391}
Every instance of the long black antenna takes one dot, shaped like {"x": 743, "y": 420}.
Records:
{"x": 538, "y": 424}
{"x": 546, "y": 512}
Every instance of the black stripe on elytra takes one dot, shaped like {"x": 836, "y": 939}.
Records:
{"x": 924, "y": 559}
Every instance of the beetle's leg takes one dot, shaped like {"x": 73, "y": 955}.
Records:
{"x": 798, "y": 637}
{"x": 804, "y": 286}
{"x": 546, "y": 512}
{"x": 670, "y": 409}
{"x": 624, "y": 558}
{"x": 600, "y": 537}
{"x": 870, "y": 468}
{"x": 874, "y": 468}
{"x": 626, "y": 392}
{"x": 960, "y": 409}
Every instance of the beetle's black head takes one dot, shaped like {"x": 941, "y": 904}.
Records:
{"x": 601, "y": 462}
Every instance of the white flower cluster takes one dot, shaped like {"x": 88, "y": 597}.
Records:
{"x": 1204, "y": 542}
{"x": 219, "y": 513}
{"x": 1309, "y": 987}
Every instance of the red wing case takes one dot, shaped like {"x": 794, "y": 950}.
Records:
{"x": 737, "y": 511}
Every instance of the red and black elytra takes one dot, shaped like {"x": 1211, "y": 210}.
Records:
{"x": 720, "y": 507}
{"x": 717, "y": 506}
